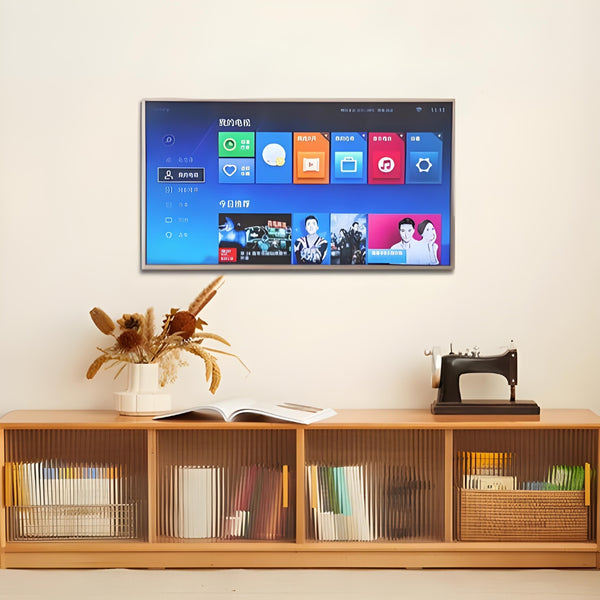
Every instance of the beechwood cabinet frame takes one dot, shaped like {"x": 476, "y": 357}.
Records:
{"x": 366, "y": 488}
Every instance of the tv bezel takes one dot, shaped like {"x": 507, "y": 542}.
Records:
{"x": 228, "y": 267}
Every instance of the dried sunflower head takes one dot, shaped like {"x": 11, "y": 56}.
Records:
{"x": 134, "y": 321}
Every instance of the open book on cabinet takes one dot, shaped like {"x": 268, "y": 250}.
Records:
{"x": 373, "y": 488}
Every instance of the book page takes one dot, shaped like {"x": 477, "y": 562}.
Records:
{"x": 233, "y": 408}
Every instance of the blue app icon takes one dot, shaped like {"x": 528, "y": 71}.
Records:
{"x": 424, "y": 167}
{"x": 236, "y": 170}
{"x": 274, "y": 160}
{"x": 348, "y": 165}
{"x": 423, "y": 158}
{"x": 348, "y": 157}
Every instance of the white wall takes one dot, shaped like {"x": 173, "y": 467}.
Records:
{"x": 525, "y": 77}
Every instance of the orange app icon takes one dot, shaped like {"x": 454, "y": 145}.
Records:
{"x": 311, "y": 157}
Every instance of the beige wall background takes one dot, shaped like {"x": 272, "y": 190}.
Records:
{"x": 526, "y": 82}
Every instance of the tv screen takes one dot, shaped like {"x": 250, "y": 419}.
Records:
{"x": 298, "y": 185}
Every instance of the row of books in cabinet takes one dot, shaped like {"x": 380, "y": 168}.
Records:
{"x": 359, "y": 502}
{"x": 247, "y": 502}
{"x": 53, "y": 483}
{"x": 252, "y": 501}
{"x": 62, "y": 499}
{"x": 496, "y": 471}
{"x": 341, "y": 507}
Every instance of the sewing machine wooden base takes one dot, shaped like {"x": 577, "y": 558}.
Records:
{"x": 486, "y": 407}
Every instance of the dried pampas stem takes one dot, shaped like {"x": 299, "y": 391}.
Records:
{"x": 216, "y": 377}
{"x": 211, "y": 336}
{"x": 206, "y": 295}
{"x": 203, "y": 354}
{"x": 149, "y": 325}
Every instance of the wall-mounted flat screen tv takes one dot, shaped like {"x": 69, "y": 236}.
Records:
{"x": 298, "y": 185}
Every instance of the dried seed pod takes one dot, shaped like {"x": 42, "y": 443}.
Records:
{"x": 129, "y": 340}
{"x": 183, "y": 323}
{"x": 95, "y": 366}
{"x": 102, "y": 321}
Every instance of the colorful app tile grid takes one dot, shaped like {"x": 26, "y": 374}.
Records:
{"x": 305, "y": 158}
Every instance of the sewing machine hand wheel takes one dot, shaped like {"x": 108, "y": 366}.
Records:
{"x": 436, "y": 365}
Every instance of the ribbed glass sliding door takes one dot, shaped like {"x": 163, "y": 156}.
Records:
{"x": 525, "y": 485}
{"x": 374, "y": 485}
{"x": 76, "y": 484}
{"x": 226, "y": 485}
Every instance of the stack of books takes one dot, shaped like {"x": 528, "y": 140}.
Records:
{"x": 247, "y": 502}
{"x": 494, "y": 471}
{"x": 562, "y": 477}
{"x": 340, "y": 502}
{"x": 257, "y": 509}
{"x": 197, "y": 495}
{"x": 487, "y": 471}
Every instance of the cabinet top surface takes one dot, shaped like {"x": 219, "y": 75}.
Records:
{"x": 353, "y": 419}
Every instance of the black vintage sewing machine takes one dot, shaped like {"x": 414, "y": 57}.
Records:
{"x": 447, "y": 370}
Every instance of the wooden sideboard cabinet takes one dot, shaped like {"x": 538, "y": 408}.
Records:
{"x": 366, "y": 488}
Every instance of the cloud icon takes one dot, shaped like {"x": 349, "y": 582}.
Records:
{"x": 274, "y": 155}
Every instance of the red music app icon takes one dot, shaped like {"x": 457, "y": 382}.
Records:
{"x": 387, "y": 154}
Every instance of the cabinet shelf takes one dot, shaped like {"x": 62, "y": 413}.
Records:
{"x": 378, "y": 488}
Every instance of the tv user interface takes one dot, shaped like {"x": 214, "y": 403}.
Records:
{"x": 307, "y": 184}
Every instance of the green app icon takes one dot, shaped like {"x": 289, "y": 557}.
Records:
{"x": 236, "y": 143}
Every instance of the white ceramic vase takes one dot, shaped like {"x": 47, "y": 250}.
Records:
{"x": 144, "y": 396}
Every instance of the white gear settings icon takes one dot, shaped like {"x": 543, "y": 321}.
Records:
{"x": 424, "y": 165}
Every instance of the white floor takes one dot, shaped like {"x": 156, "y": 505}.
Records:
{"x": 123, "y": 584}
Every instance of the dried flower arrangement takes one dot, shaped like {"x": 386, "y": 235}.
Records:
{"x": 182, "y": 331}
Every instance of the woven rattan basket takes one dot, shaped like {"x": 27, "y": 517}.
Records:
{"x": 522, "y": 515}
